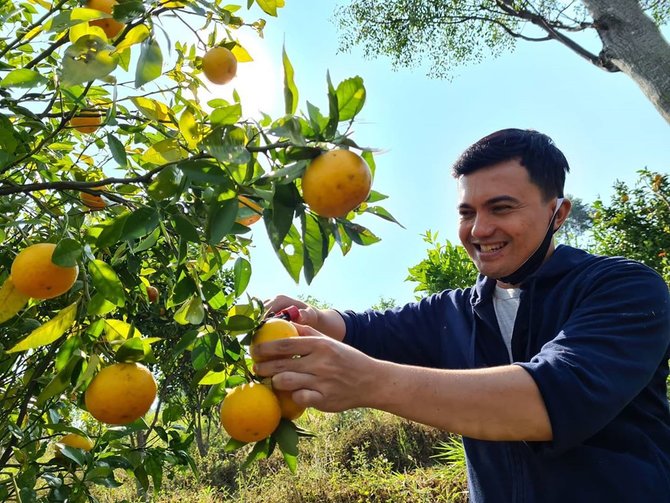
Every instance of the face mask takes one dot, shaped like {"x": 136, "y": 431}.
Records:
{"x": 534, "y": 262}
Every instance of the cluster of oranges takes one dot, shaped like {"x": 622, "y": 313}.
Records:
{"x": 251, "y": 412}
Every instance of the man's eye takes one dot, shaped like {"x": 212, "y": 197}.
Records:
{"x": 465, "y": 215}
{"x": 501, "y": 209}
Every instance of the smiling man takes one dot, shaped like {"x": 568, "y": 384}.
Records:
{"x": 553, "y": 366}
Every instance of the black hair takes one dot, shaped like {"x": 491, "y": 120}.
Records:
{"x": 546, "y": 164}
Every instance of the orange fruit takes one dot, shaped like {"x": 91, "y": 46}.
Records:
{"x": 110, "y": 26}
{"x": 249, "y": 212}
{"x": 93, "y": 201}
{"x": 289, "y": 409}
{"x": 35, "y": 275}
{"x": 336, "y": 182}
{"x": 219, "y": 65}
{"x": 153, "y": 294}
{"x": 250, "y": 412}
{"x": 86, "y": 123}
{"x": 271, "y": 330}
{"x": 74, "y": 440}
{"x": 120, "y": 393}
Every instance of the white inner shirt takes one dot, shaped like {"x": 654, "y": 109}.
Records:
{"x": 506, "y": 305}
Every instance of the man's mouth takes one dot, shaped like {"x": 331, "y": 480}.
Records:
{"x": 491, "y": 247}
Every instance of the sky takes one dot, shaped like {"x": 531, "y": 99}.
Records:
{"x": 602, "y": 122}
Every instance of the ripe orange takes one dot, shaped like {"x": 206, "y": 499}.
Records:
{"x": 250, "y": 412}
{"x": 86, "y": 123}
{"x": 289, "y": 409}
{"x": 249, "y": 212}
{"x": 336, "y": 182}
{"x": 120, "y": 393}
{"x": 110, "y": 26}
{"x": 219, "y": 65}
{"x": 74, "y": 440}
{"x": 93, "y": 201}
{"x": 35, "y": 275}
{"x": 271, "y": 330}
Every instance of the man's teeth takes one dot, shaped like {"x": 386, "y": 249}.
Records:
{"x": 490, "y": 248}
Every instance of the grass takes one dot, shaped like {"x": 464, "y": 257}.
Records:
{"x": 357, "y": 456}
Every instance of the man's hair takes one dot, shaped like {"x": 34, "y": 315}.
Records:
{"x": 545, "y": 163}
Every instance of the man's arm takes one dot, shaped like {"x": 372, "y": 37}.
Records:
{"x": 500, "y": 403}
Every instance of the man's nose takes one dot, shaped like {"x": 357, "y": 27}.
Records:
{"x": 482, "y": 227}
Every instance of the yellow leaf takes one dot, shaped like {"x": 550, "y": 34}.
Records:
{"x": 164, "y": 151}
{"x": 11, "y": 300}
{"x": 120, "y": 330}
{"x": 153, "y": 110}
{"x": 241, "y": 54}
{"x": 136, "y": 35}
{"x": 48, "y": 332}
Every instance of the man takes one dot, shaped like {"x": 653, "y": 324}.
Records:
{"x": 552, "y": 366}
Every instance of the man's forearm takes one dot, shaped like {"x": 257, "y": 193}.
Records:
{"x": 500, "y": 403}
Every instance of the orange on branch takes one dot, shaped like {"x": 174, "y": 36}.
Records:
{"x": 35, "y": 275}
{"x": 249, "y": 212}
{"x": 110, "y": 26}
{"x": 219, "y": 65}
{"x": 120, "y": 393}
{"x": 86, "y": 123}
{"x": 336, "y": 182}
{"x": 153, "y": 294}
{"x": 93, "y": 201}
{"x": 271, "y": 330}
{"x": 289, "y": 409}
{"x": 250, "y": 412}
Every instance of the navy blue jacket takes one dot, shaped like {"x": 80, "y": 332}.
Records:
{"x": 594, "y": 333}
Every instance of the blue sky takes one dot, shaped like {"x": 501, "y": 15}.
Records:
{"x": 602, "y": 122}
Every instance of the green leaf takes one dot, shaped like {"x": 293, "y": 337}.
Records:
{"x": 140, "y": 223}
{"x": 67, "y": 252}
{"x": 333, "y": 110}
{"x": 135, "y": 349}
{"x": 227, "y": 115}
{"x": 315, "y": 244}
{"x": 111, "y": 232}
{"x": 186, "y": 229}
{"x": 204, "y": 349}
{"x": 242, "y": 271}
{"x": 107, "y": 283}
{"x": 61, "y": 380}
{"x": 23, "y": 77}
{"x": 383, "y": 213}
{"x": 164, "y": 152}
{"x": 204, "y": 172}
{"x": 166, "y": 184}
{"x": 280, "y": 216}
{"x": 270, "y": 6}
{"x": 49, "y": 331}
{"x": 118, "y": 150}
{"x": 150, "y": 63}
{"x": 287, "y": 439}
{"x": 290, "y": 253}
{"x": 192, "y": 311}
{"x": 221, "y": 219}
{"x": 290, "y": 89}
{"x": 359, "y": 234}
{"x": 260, "y": 451}
{"x": 350, "y": 98}
{"x": 89, "y": 58}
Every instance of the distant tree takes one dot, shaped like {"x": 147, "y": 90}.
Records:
{"x": 454, "y": 32}
{"x": 576, "y": 229}
{"x": 447, "y": 266}
{"x": 384, "y": 303}
{"x": 636, "y": 222}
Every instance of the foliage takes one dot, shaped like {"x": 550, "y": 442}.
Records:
{"x": 636, "y": 222}
{"x": 447, "y": 266}
{"x": 449, "y": 33}
{"x": 172, "y": 167}
{"x": 575, "y": 231}
{"x": 359, "y": 455}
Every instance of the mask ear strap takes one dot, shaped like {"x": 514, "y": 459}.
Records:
{"x": 534, "y": 262}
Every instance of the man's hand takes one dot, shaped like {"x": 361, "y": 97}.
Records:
{"x": 322, "y": 372}
{"x": 326, "y": 321}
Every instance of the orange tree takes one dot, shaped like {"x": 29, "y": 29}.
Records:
{"x": 174, "y": 170}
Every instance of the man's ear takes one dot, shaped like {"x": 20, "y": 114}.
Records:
{"x": 562, "y": 214}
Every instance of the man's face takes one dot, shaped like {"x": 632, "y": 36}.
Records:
{"x": 503, "y": 217}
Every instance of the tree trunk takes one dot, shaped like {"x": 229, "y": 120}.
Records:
{"x": 633, "y": 43}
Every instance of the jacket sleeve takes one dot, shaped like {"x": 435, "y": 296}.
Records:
{"x": 411, "y": 334}
{"x": 607, "y": 352}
